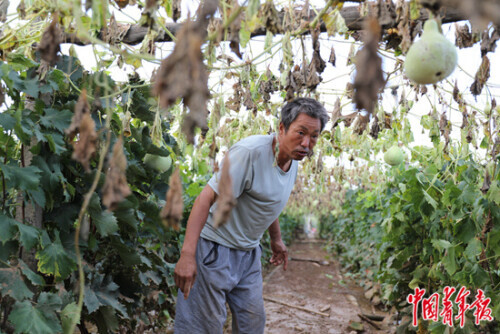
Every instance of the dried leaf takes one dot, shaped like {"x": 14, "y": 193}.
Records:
{"x": 115, "y": 187}
{"x": 489, "y": 43}
{"x": 369, "y": 78}
{"x": 349, "y": 90}
{"x": 375, "y": 128}
{"x": 336, "y": 113}
{"x": 313, "y": 79}
{"x": 234, "y": 102}
{"x": 482, "y": 75}
{"x": 486, "y": 183}
{"x": 82, "y": 107}
{"x": 463, "y": 36}
{"x": 4, "y": 6}
{"x": 317, "y": 62}
{"x": 457, "y": 96}
{"x": 50, "y": 43}
{"x": 360, "y": 124}
{"x": 171, "y": 214}
{"x": 332, "y": 58}
{"x": 21, "y": 9}
{"x": 234, "y": 30}
{"x": 404, "y": 26}
{"x": 267, "y": 87}
{"x": 85, "y": 147}
{"x": 114, "y": 32}
{"x": 176, "y": 9}
{"x": 444, "y": 128}
{"x": 225, "y": 199}
{"x": 183, "y": 74}
{"x": 270, "y": 18}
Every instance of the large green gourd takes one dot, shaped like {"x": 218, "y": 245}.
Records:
{"x": 432, "y": 58}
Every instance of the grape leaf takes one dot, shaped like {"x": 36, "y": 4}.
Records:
{"x": 13, "y": 284}
{"x": 54, "y": 260}
{"x": 56, "y": 119}
{"x": 28, "y": 319}
{"x": 23, "y": 178}
{"x": 68, "y": 314}
{"x": 28, "y": 235}
{"x": 31, "y": 275}
{"x": 7, "y": 226}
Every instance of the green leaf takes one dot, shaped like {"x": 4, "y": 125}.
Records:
{"x": 7, "y": 121}
{"x": 334, "y": 22}
{"x": 69, "y": 313}
{"x": 34, "y": 278}
{"x": 101, "y": 294}
{"x": 12, "y": 284}
{"x": 473, "y": 249}
{"x": 414, "y": 10}
{"x": 441, "y": 244}
{"x": 430, "y": 200}
{"x": 8, "y": 228}
{"x": 49, "y": 301}
{"x": 449, "y": 261}
{"x": 253, "y": 8}
{"x": 23, "y": 178}
{"x": 54, "y": 260}
{"x": 105, "y": 223}
{"x": 28, "y": 235}
{"x": 494, "y": 192}
{"x": 38, "y": 195}
{"x": 28, "y": 319}
{"x": 56, "y": 119}
{"x": 56, "y": 142}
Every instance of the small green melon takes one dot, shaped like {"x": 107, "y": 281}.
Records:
{"x": 394, "y": 156}
{"x": 157, "y": 162}
{"x": 432, "y": 58}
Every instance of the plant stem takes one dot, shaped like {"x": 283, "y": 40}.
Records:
{"x": 83, "y": 210}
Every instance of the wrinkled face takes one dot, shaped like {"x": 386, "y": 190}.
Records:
{"x": 300, "y": 138}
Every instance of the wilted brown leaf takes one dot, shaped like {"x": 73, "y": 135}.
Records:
{"x": 234, "y": 102}
{"x": 444, "y": 128}
{"x": 4, "y": 6}
{"x": 176, "y": 9}
{"x": 482, "y": 75}
{"x": 317, "y": 62}
{"x": 375, "y": 128}
{"x": 336, "y": 113}
{"x": 332, "y": 58}
{"x": 360, "y": 124}
{"x": 50, "y": 43}
{"x": 489, "y": 42}
{"x": 369, "y": 78}
{"x": 349, "y": 90}
{"x": 85, "y": 147}
{"x": 82, "y": 107}
{"x": 486, "y": 183}
{"x": 313, "y": 79}
{"x": 171, "y": 214}
{"x": 348, "y": 119}
{"x": 225, "y": 199}
{"x": 270, "y": 18}
{"x": 267, "y": 87}
{"x": 115, "y": 187}
{"x": 183, "y": 74}
{"x": 463, "y": 36}
{"x": 21, "y": 9}
{"x": 114, "y": 32}
{"x": 234, "y": 29}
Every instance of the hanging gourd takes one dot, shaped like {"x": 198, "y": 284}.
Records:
{"x": 432, "y": 58}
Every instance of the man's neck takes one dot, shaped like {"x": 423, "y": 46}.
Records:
{"x": 282, "y": 161}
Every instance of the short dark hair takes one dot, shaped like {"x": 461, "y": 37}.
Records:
{"x": 306, "y": 105}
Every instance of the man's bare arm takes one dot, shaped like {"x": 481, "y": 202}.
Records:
{"x": 280, "y": 253}
{"x": 185, "y": 270}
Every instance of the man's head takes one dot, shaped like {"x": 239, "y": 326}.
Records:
{"x": 302, "y": 120}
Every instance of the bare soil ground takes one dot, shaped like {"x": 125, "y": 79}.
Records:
{"x": 317, "y": 287}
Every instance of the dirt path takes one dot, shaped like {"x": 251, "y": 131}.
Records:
{"x": 316, "y": 287}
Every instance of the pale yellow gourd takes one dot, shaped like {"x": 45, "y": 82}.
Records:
{"x": 432, "y": 58}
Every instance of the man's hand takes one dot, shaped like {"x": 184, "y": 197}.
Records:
{"x": 280, "y": 253}
{"x": 185, "y": 273}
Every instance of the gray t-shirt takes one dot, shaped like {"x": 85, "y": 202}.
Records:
{"x": 261, "y": 189}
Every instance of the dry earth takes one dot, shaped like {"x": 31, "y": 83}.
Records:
{"x": 316, "y": 287}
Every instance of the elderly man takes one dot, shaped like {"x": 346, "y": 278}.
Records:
{"x": 224, "y": 264}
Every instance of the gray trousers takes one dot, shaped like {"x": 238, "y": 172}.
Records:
{"x": 224, "y": 275}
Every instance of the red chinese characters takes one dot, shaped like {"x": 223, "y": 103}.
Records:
{"x": 431, "y": 306}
